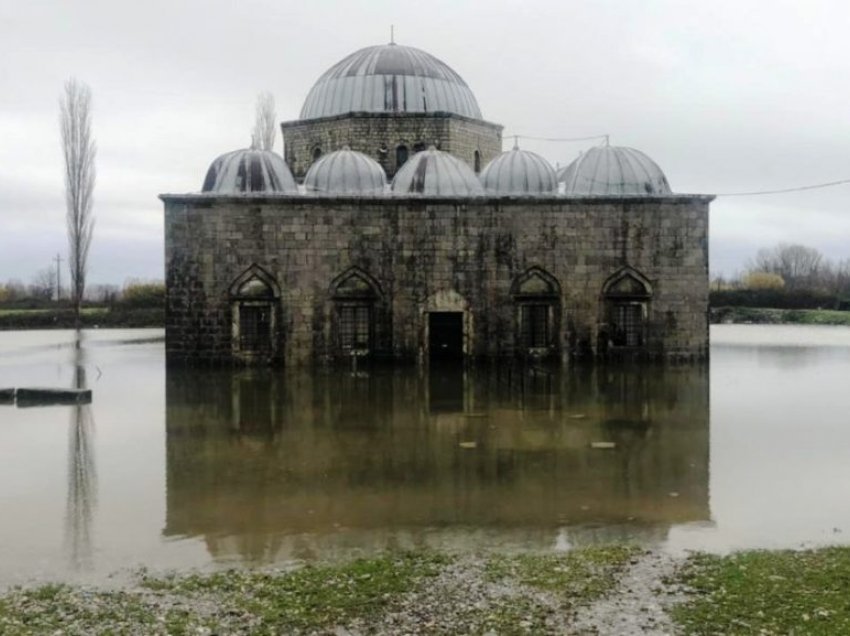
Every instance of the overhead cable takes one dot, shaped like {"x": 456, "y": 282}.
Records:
{"x": 753, "y": 193}
{"x": 784, "y": 190}
{"x": 560, "y": 139}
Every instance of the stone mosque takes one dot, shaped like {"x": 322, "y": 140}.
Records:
{"x": 394, "y": 227}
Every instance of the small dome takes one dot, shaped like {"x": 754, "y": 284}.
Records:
{"x": 249, "y": 170}
{"x": 390, "y": 78}
{"x": 519, "y": 172}
{"x": 346, "y": 172}
{"x": 436, "y": 173}
{"x": 613, "y": 170}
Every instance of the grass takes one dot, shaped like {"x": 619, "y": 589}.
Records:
{"x": 317, "y": 599}
{"x": 767, "y": 593}
{"x": 15, "y": 318}
{"x": 311, "y": 597}
{"x": 85, "y": 311}
{"x": 236, "y": 601}
{"x": 52, "y": 609}
{"x": 571, "y": 579}
{"x": 759, "y": 315}
{"x": 759, "y": 593}
{"x": 579, "y": 575}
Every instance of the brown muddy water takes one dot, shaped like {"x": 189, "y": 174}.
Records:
{"x": 182, "y": 468}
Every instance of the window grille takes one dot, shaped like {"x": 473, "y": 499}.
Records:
{"x": 628, "y": 325}
{"x": 255, "y": 327}
{"x": 355, "y": 326}
{"x": 535, "y": 325}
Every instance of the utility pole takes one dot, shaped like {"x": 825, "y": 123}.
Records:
{"x": 58, "y": 260}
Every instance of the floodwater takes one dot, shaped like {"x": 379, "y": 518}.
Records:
{"x": 186, "y": 468}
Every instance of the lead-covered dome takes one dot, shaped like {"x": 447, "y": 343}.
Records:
{"x": 519, "y": 172}
{"x": 613, "y": 170}
{"x": 249, "y": 170}
{"x": 436, "y": 173}
{"x": 346, "y": 172}
{"x": 390, "y": 78}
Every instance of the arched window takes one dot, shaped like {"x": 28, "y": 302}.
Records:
{"x": 355, "y": 296}
{"x": 626, "y": 295}
{"x": 253, "y": 300}
{"x": 419, "y": 146}
{"x": 317, "y": 152}
{"x": 477, "y": 161}
{"x": 400, "y": 156}
{"x": 537, "y": 297}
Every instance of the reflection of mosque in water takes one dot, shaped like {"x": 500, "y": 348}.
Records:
{"x": 265, "y": 465}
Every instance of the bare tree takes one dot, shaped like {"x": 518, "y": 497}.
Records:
{"x": 43, "y": 284}
{"x": 835, "y": 277}
{"x": 78, "y": 149}
{"x": 798, "y": 265}
{"x": 264, "y": 125}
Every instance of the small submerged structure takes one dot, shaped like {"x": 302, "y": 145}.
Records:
{"x": 49, "y": 397}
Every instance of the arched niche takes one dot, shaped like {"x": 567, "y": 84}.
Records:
{"x": 355, "y": 296}
{"x": 627, "y": 282}
{"x": 626, "y": 297}
{"x": 254, "y": 298}
{"x": 537, "y": 301}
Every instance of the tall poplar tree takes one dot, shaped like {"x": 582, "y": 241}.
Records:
{"x": 78, "y": 150}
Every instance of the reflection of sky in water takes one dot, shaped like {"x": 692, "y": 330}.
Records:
{"x": 188, "y": 468}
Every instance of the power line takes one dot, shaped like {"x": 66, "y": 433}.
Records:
{"x": 559, "y": 139}
{"x": 784, "y": 190}
{"x": 816, "y": 186}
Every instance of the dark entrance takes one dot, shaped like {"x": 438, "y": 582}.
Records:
{"x": 445, "y": 335}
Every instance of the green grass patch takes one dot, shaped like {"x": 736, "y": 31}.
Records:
{"x": 311, "y": 597}
{"x": 581, "y": 575}
{"x": 90, "y": 317}
{"x": 816, "y": 317}
{"x": 768, "y": 593}
{"x": 52, "y": 609}
{"x": 759, "y": 315}
{"x": 305, "y": 600}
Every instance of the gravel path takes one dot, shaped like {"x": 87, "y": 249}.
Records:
{"x": 638, "y": 605}
{"x": 464, "y": 600}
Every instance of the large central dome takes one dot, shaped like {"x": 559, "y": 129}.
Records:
{"x": 390, "y": 79}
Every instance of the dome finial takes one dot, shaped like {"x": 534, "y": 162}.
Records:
{"x": 392, "y": 34}
{"x": 516, "y": 142}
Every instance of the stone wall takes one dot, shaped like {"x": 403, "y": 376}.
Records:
{"x": 380, "y": 134}
{"x": 431, "y": 255}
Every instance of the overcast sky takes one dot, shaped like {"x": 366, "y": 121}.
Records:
{"x": 726, "y": 96}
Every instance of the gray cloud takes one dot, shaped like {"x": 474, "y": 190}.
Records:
{"x": 725, "y": 96}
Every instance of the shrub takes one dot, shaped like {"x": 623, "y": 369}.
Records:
{"x": 143, "y": 294}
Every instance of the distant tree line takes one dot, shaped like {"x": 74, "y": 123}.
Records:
{"x": 42, "y": 293}
{"x": 787, "y": 276}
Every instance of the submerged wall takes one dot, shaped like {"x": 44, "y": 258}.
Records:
{"x": 431, "y": 254}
